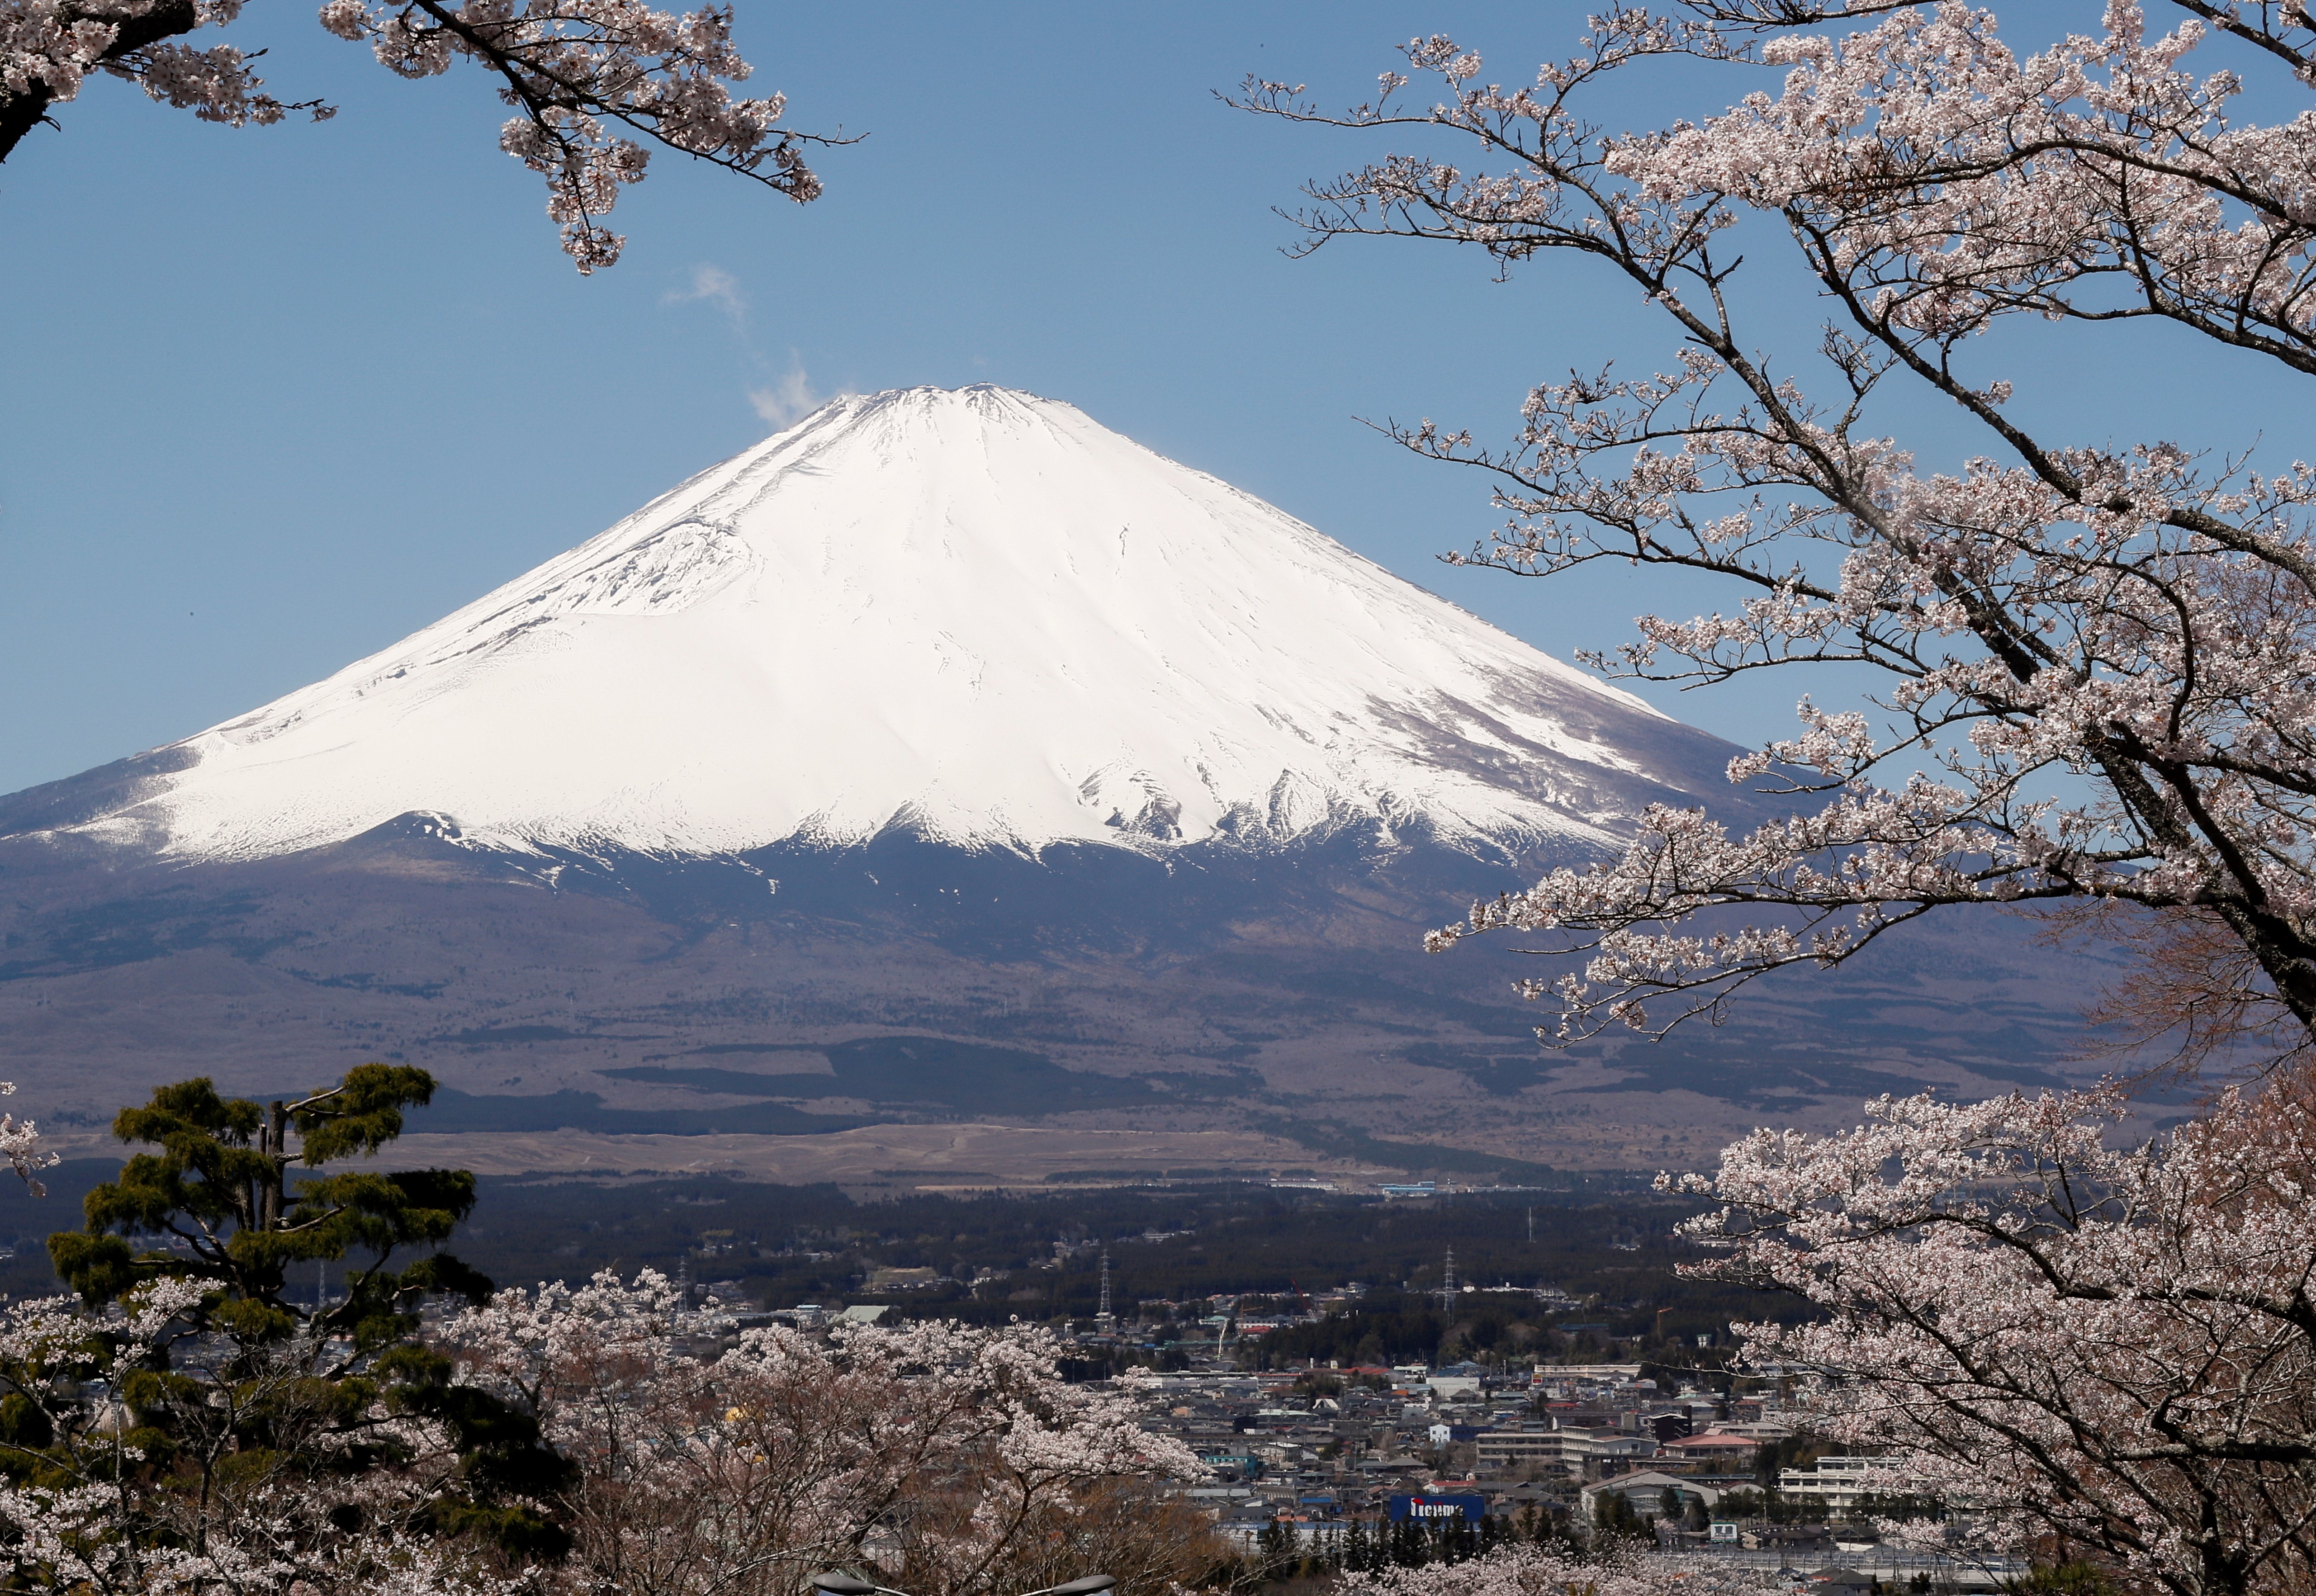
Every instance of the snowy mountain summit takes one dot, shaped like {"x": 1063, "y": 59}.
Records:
{"x": 974, "y": 616}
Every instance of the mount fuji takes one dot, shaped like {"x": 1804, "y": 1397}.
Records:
{"x": 975, "y": 617}
{"x": 944, "y": 758}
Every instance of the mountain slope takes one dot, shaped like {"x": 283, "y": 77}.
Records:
{"x": 943, "y": 759}
{"x": 975, "y": 617}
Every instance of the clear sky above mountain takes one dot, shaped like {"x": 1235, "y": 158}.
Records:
{"x": 282, "y": 395}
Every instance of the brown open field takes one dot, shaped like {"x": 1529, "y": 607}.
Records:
{"x": 876, "y": 1155}
{"x": 871, "y": 1155}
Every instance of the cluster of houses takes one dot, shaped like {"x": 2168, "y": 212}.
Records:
{"x": 1318, "y": 1449}
{"x": 1322, "y": 1446}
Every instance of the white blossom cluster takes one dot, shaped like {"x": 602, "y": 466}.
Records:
{"x": 585, "y": 77}
{"x": 48, "y": 47}
{"x": 20, "y": 1145}
{"x": 2075, "y": 1343}
{"x": 1542, "y": 1570}
{"x": 944, "y": 1454}
{"x": 84, "y": 1521}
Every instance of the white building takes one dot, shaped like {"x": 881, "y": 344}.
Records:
{"x": 1570, "y": 1448}
{"x": 1836, "y": 1482}
{"x": 1504, "y": 1448}
{"x": 1645, "y": 1491}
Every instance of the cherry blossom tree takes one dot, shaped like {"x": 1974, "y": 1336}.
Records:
{"x": 125, "y": 1462}
{"x": 955, "y": 1460}
{"x": 141, "y": 1452}
{"x": 1530, "y": 1569}
{"x": 593, "y": 85}
{"x": 119, "y": 1471}
{"x": 2111, "y": 1351}
{"x": 2097, "y": 658}
{"x": 20, "y": 1145}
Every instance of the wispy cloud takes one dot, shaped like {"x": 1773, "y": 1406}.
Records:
{"x": 788, "y": 397}
{"x": 717, "y": 287}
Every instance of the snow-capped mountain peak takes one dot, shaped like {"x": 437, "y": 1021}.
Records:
{"x": 974, "y": 614}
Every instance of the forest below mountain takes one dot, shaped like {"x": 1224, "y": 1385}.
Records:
{"x": 1037, "y": 1255}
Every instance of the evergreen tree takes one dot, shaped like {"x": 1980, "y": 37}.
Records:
{"x": 1532, "y": 1524}
{"x": 1460, "y": 1540}
{"x": 215, "y": 1200}
{"x": 280, "y": 1385}
{"x": 1613, "y": 1514}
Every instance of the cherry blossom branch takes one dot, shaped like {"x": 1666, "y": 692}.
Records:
{"x": 572, "y": 66}
{"x": 2125, "y": 615}
{"x": 20, "y": 1145}
{"x": 594, "y": 84}
{"x": 2267, "y": 25}
{"x": 49, "y": 47}
{"x": 2272, "y": 33}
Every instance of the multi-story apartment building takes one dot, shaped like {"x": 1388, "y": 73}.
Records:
{"x": 1836, "y": 1482}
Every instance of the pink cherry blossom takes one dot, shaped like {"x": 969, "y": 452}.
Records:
{"x": 74, "y": 1523}
{"x": 709, "y": 1462}
{"x": 2077, "y": 1343}
{"x": 20, "y": 1145}
{"x": 957, "y": 1459}
{"x": 1533, "y": 1570}
{"x": 593, "y": 84}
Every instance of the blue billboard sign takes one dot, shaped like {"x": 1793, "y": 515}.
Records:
{"x": 1439, "y": 1509}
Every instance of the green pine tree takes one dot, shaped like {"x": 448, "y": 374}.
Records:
{"x": 302, "y": 1387}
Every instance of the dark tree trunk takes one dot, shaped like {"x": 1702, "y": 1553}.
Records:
{"x": 21, "y": 113}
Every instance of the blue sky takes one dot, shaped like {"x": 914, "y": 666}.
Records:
{"x": 280, "y": 395}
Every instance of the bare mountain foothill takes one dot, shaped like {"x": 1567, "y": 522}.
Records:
{"x": 945, "y": 784}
